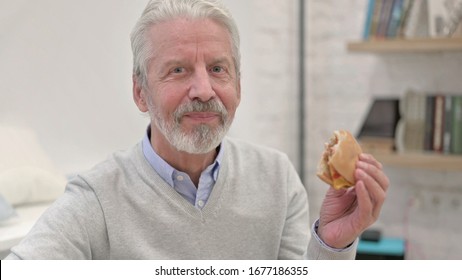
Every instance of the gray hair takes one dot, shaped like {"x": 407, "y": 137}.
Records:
{"x": 158, "y": 11}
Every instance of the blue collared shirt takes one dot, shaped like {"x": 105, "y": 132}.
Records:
{"x": 181, "y": 181}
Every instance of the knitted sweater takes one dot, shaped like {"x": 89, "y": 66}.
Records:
{"x": 122, "y": 209}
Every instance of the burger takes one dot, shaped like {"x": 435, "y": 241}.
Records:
{"x": 338, "y": 162}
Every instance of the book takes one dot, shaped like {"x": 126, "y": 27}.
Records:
{"x": 410, "y": 130}
{"x": 417, "y": 21}
{"x": 381, "y": 119}
{"x": 395, "y": 18}
{"x": 407, "y": 7}
{"x": 375, "y": 18}
{"x": 456, "y": 141}
{"x": 438, "y": 123}
{"x": 385, "y": 16}
{"x": 447, "y": 135}
{"x": 429, "y": 122}
{"x": 368, "y": 21}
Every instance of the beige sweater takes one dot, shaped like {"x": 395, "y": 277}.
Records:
{"x": 122, "y": 209}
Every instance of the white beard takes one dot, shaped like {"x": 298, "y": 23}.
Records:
{"x": 203, "y": 138}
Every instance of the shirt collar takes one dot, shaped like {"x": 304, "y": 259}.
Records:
{"x": 165, "y": 170}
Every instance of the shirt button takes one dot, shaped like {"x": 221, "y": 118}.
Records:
{"x": 180, "y": 178}
{"x": 200, "y": 203}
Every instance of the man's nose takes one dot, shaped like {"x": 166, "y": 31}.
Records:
{"x": 201, "y": 87}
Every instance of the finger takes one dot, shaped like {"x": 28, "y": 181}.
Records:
{"x": 374, "y": 187}
{"x": 371, "y": 160}
{"x": 376, "y": 173}
{"x": 365, "y": 203}
{"x": 376, "y": 193}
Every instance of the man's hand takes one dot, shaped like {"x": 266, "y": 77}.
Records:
{"x": 346, "y": 213}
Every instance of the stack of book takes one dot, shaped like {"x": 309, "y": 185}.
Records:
{"x": 430, "y": 122}
{"x": 413, "y": 19}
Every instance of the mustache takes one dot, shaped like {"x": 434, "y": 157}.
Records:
{"x": 212, "y": 105}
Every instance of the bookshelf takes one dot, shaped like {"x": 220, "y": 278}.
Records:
{"x": 382, "y": 149}
{"x": 428, "y": 161}
{"x": 420, "y": 160}
{"x": 408, "y": 27}
{"x": 406, "y": 45}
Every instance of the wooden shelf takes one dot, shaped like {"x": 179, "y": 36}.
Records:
{"x": 429, "y": 161}
{"x": 407, "y": 45}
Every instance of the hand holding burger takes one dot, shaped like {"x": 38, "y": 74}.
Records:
{"x": 358, "y": 191}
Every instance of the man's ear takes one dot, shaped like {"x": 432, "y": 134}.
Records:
{"x": 139, "y": 95}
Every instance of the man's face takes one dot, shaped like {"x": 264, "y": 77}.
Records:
{"x": 193, "y": 89}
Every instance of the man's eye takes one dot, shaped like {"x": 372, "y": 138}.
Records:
{"x": 217, "y": 69}
{"x": 178, "y": 70}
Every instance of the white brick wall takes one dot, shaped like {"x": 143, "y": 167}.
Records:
{"x": 268, "y": 111}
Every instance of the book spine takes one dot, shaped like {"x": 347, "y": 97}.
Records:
{"x": 438, "y": 122}
{"x": 407, "y": 7}
{"x": 447, "y": 135}
{"x": 417, "y": 22}
{"x": 385, "y": 15}
{"x": 421, "y": 107}
{"x": 456, "y": 141}
{"x": 429, "y": 120}
{"x": 368, "y": 22}
{"x": 410, "y": 130}
{"x": 396, "y": 13}
{"x": 375, "y": 18}
{"x": 399, "y": 135}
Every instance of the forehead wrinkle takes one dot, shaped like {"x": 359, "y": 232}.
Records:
{"x": 182, "y": 35}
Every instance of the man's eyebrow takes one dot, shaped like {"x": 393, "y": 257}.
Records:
{"x": 221, "y": 60}
{"x": 178, "y": 61}
{"x": 161, "y": 66}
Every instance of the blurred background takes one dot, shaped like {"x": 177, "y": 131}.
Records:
{"x": 65, "y": 78}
